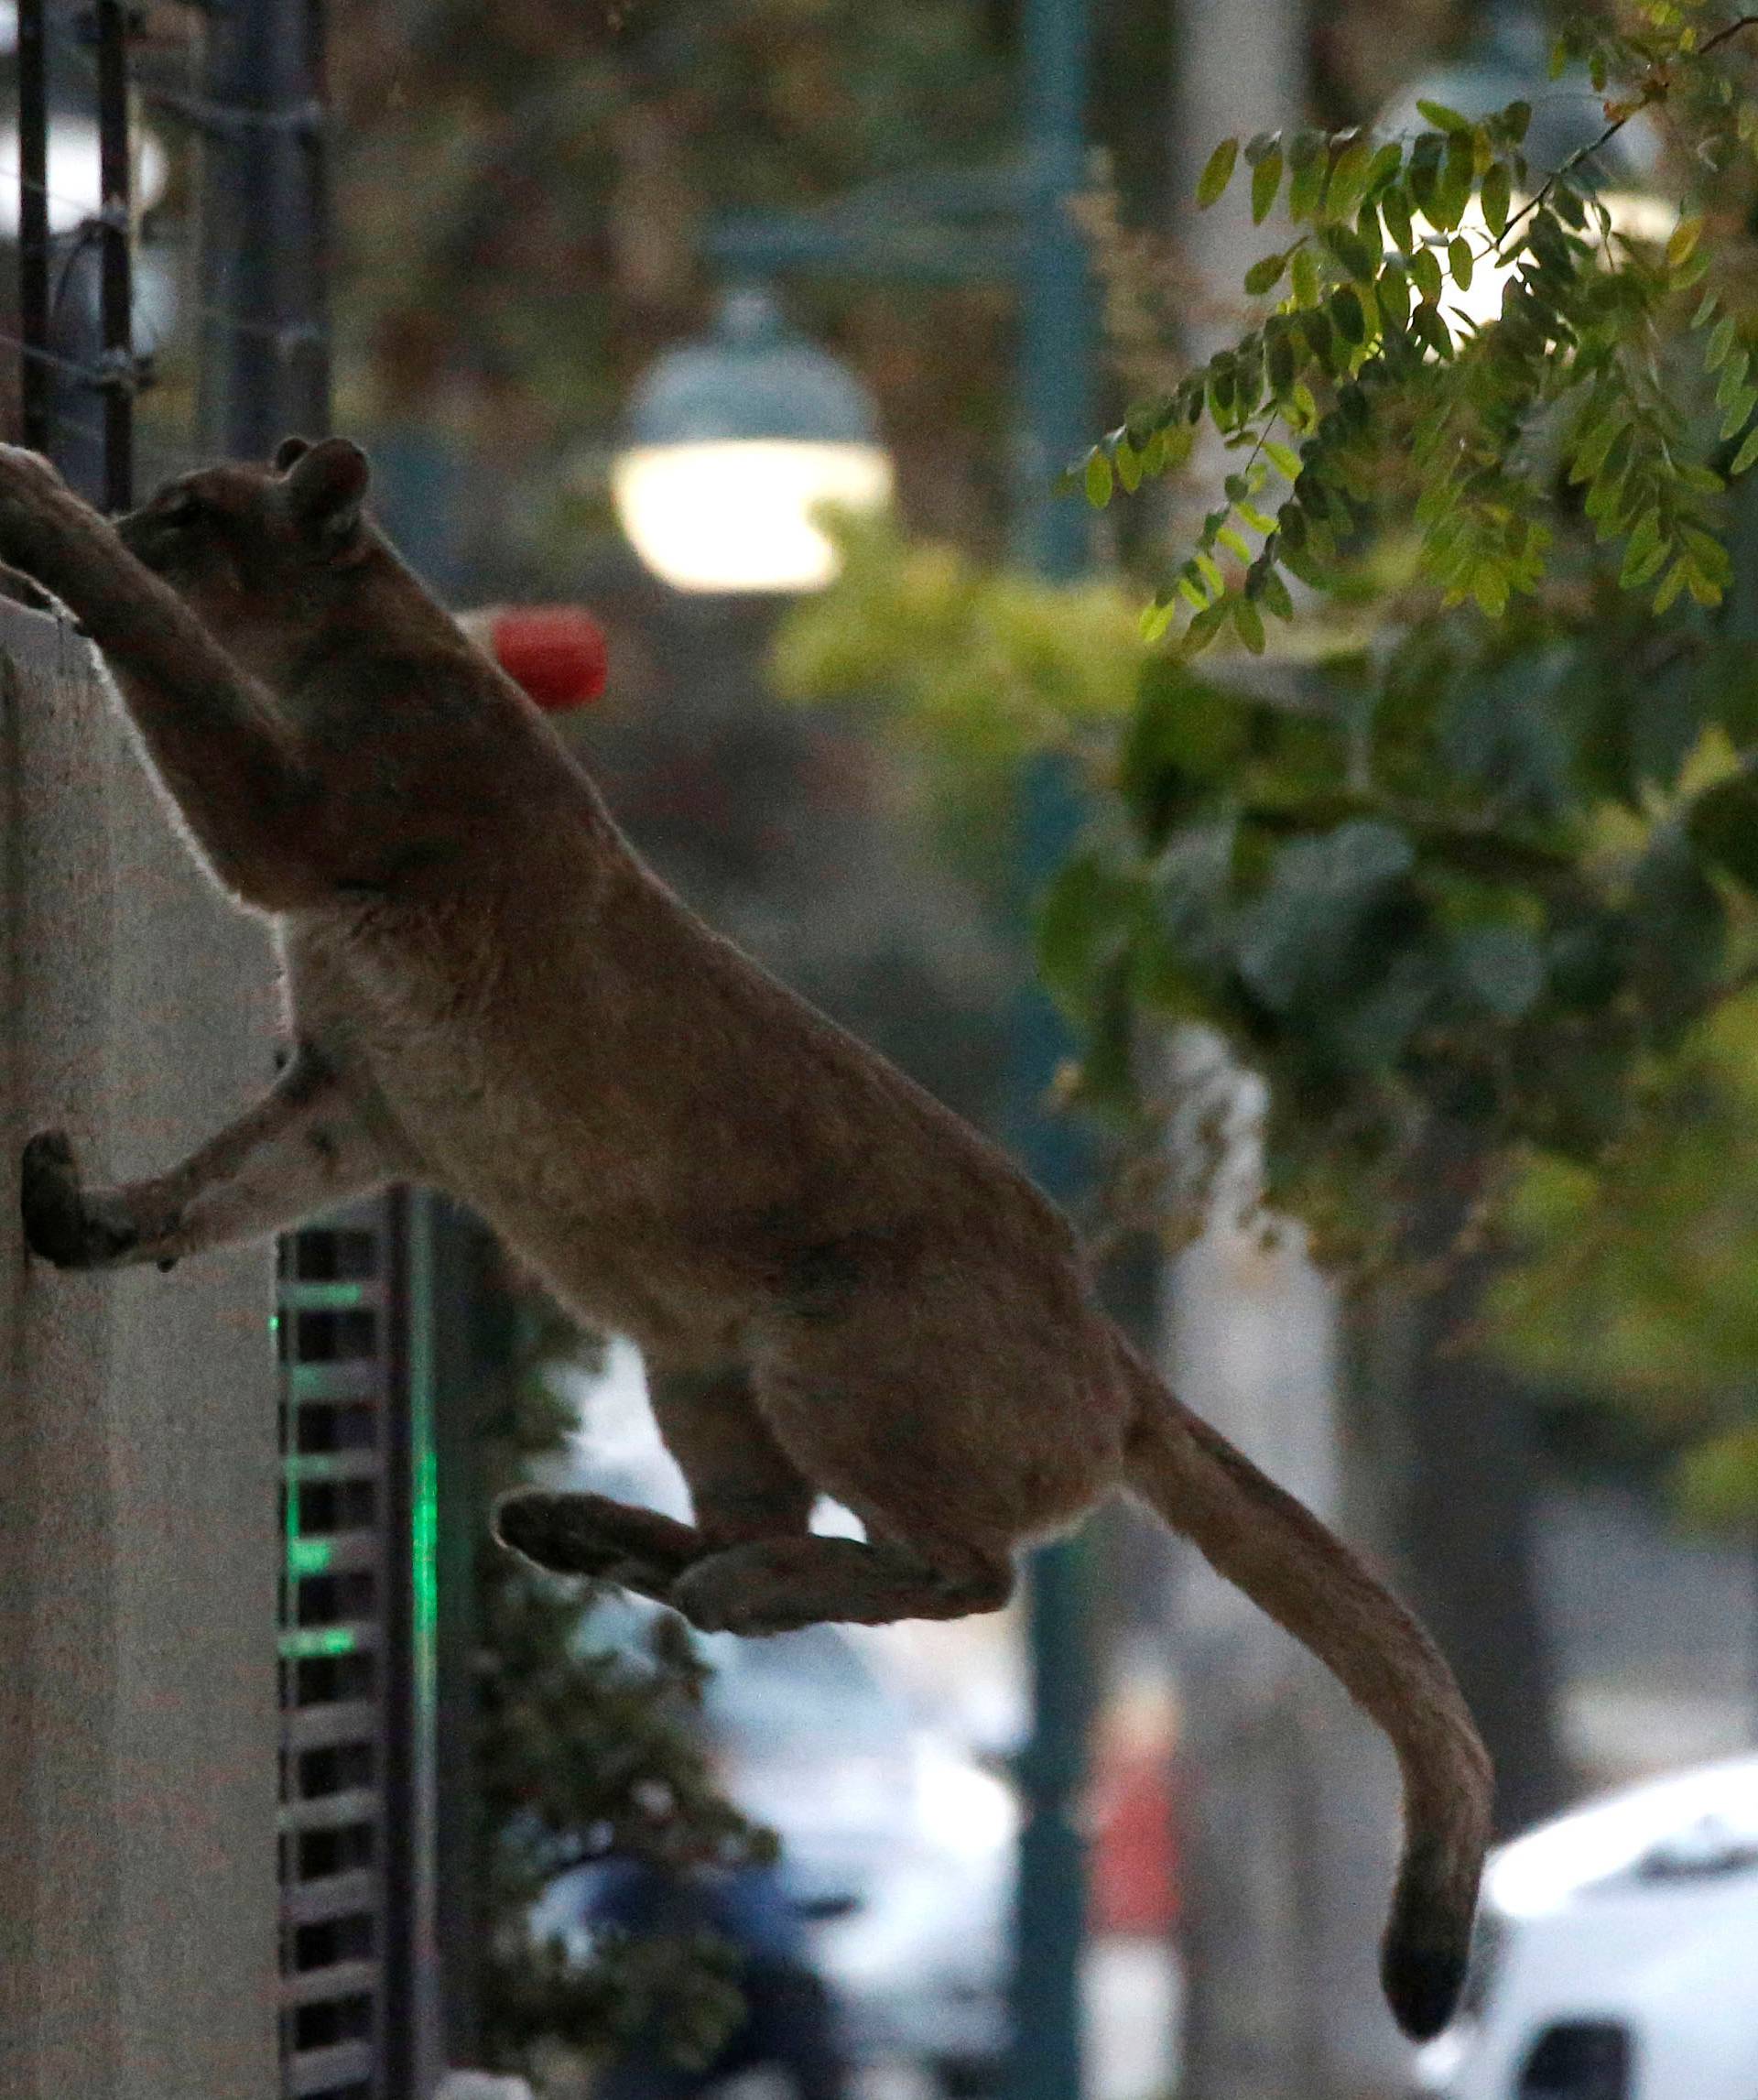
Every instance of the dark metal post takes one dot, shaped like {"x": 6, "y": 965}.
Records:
{"x": 1055, "y": 385}
{"x": 266, "y": 360}
{"x": 34, "y": 376}
{"x": 116, "y": 283}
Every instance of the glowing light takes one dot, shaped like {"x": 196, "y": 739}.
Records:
{"x": 742, "y": 514}
{"x": 75, "y": 192}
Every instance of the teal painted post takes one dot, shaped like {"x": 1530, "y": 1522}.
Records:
{"x": 1051, "y": 537}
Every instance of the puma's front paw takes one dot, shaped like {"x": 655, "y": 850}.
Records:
{"x": 59, "y": 1226}
{"x": 29, "y": 488}
{"x": 24, "y": 472}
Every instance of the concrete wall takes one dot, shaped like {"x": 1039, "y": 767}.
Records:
{"x": 138, "y": 1449}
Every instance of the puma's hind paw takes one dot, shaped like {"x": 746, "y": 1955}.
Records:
{"x": 59, "y": 1228}
{"x": 590, "y": 1535}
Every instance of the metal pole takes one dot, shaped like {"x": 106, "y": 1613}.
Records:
{"x": 116, "y": 281}
{"x": 34, "y": 377}
{"x": 1055, "y": 384}
{"x": 265, "y": 244}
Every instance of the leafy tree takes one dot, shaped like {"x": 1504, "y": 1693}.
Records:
{"x": 1452, "y": 838}
{"x": 1647, "y": 1303}
{"x": 580, "y": 1753}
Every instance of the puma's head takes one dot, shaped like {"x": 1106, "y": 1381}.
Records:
{"x": 269, "y": 556}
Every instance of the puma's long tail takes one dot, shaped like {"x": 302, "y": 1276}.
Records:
{"x": 1274, "y": 1549}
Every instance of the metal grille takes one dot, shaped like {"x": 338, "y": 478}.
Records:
{"x": 346, "y": 1865}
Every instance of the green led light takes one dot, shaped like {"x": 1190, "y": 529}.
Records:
{"x": 309, "y": 1556}
{"x": 317, "y": 1640}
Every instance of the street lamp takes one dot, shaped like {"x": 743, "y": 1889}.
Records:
{"x": 733, "y": 444}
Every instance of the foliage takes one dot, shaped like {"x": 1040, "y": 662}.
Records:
{"x": 1647, "y": 1299}
{"x": 1483, "y": 872}
{"x": 581, "y": 1754}
{"x": 1604, "y": 367}
{"x": 975, "y": 666}
{"x": 1487, "y": 872}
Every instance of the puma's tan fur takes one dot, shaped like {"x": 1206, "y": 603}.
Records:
{"x": 836, "y": 1285}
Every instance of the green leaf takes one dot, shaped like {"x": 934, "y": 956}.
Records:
{"x": 1644, "y": 541}
{"x": 1425, "y": 271}
{"x": 1454, "y": 190}
{"x": 1392, "y": 291}
{"x": 1354, "y": 253}
{"x": 1283, "y": 458}
{"x": 1234, "y": 541}
{"x": 1203, "y": 630}
{"x": 1515, "y": 120}
{"x": 1748, "y": 451}
{"x": 1348, "y": 179}
{"x": 1739, "y": 408}
{"x": 1218, "y": 173}
{"x": 1317, "y": 329}
{"x": 1265, "y": 273}
{"x": 1266, "y": 179}
{"x": 1706, "y": 310}
{"x": 1128, "y": 463}
{"x": 1442, "y": 117}
{"x": 1592, "y": 444}
{"x": 1080, "y": 923}
{"x": 1384, "y": 166}
{"x": 1280, "y": 357}
{"x": 1306, "y": 278}
{"x": 1308, "y": 157}
{"x": 1248, "y": 623}
{"x": 1098, "y": 480}
{"x": 1300, "y": 939}
{"x": 1395, "y": 208}
{"x": 1459, "y": 254}
{"x": 1682, "y": 241}
{"x": 1347, "y": 313}
{"x": 1427, "y": 323}
{"x": 1497, "y": 197}
{"x": 1720, "y": 344}
{"x": 1502, "y": 966}
{"x": 1274, "y": 591}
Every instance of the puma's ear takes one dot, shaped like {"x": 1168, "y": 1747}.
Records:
{"x": 288, "y": 451}
{"x": 325, "y": 487}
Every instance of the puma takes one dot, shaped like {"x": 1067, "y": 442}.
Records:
{"x": 836, "y": 1285}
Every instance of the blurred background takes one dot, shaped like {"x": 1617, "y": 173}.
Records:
{"x": 616, "y": 295}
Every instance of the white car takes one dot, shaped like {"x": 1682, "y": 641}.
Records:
{"x": 897, "y": 1846}
{"x": 1618, "y": 1954}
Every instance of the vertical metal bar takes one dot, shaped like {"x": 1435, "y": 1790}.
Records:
{"x": 404, "y": 1781}
{"x": 265, "y": 364}
{"x": 1051, "y": 536}
{"x": 34, "y": 376}
{"x": 116, "y": 283}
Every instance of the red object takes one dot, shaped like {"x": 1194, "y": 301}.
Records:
{"x": 556, "y": 652}
{"x": 1134, "y": 1853}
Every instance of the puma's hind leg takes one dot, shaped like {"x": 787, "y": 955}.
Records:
{"x": 772, "y": 1586}
{"x": 573, "y": 1534}
{"x": 742, "y": 1485}
{"x": 742, "y": 1488}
